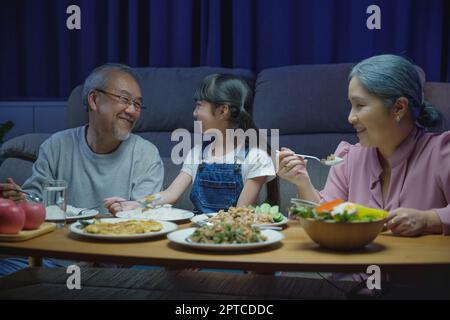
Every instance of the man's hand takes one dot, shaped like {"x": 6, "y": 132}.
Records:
{"x": 9, "y": 190}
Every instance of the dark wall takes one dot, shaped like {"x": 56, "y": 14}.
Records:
{"x": 40, "y": 57}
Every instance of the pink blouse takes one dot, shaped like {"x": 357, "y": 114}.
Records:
{"x": 420, "y": 175}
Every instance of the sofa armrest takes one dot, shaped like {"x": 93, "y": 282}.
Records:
{"x": 23, "y": 147}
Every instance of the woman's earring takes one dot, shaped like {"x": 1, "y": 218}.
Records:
{"x": 397, "y": 119}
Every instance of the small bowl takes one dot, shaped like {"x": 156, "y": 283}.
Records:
{"x": 342, "y": 235}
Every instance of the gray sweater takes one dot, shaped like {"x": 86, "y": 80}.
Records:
{"x": 132, "y": 171}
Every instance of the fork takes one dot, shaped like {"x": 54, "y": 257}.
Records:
{"x": 83, "y": 210}
{"x": 145, "y": 204}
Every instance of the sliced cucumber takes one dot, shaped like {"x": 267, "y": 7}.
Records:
{"x": 265, "y": 208}
{"x": 277, "y": 217}
{"x": 274, "y": 210}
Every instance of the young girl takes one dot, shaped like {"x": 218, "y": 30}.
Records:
{"x": 222, "y": 173}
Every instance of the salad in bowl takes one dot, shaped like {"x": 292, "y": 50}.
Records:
{"x": 340, "y": 224}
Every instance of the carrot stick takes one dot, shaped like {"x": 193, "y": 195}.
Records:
{"x": 328, "y": 206}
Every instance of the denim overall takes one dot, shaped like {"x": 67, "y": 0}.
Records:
{"x": 217, "y": 186}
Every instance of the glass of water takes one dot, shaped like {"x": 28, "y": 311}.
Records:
{"x": 55, "y": 201}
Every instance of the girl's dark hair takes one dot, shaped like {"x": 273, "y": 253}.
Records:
{"x": 391, "y": 77}
{"x": 230, "y": 90}
{"x": 236, "y": 93}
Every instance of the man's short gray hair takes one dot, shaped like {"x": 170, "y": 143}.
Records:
{"x": 99, "y": 77}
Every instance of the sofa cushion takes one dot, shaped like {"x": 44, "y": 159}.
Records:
{"x": 17, "y": 169}
{"x": 438, "y": 94}
{"x": 167, "y": 94}
{"x": 76, "y": 113}
{"x": 24, "y": 147}
{"x": 303, "y": 99}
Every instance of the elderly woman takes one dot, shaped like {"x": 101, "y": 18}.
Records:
{"x": 397, "y": 166}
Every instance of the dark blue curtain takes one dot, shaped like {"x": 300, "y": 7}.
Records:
{"x": 40, "y": 57}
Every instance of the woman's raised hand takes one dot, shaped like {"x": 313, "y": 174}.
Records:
{"x": 292, "y": 168}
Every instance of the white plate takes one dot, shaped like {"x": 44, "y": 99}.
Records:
{"x": 161, "y": 213}
{"x": 167, "y": 227}
{"x": 204, "y": 217}
{"x": 181, "y": 235}
{"x": 56, "y": 216}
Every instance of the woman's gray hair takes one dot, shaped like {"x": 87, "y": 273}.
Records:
{"x": 99, "y": 77}
{"x": 391, "y": 77}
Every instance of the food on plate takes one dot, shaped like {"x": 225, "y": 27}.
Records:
{"x": 274, "y": 211}
{"x": 227, "y": 233}
{"x": 12, "y": 217}
{"x": 150, "y": 201}
{"x": 339, "y": 211}
{"x": 123, "y": 227}
{"x": 264, "y": 214}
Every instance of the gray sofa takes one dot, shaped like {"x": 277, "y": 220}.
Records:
{"x": 307, "y": 103}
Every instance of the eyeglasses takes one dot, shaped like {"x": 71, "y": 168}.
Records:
{"x": 123, "y": 100}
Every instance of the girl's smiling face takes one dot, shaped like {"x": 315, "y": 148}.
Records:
{"x": 210, "y": 116}
{"x": 373, "y": 122}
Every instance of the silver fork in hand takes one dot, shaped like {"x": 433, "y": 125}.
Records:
{"x": 83, "y": 210}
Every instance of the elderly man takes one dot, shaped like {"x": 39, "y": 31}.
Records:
{"x": 101, "y": 159}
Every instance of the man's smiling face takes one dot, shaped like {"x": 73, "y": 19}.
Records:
{"x": 114, "y": 116}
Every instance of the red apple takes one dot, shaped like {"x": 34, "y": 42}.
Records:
{"x": 12, "y": 217}
{"x": 3, "y": 200}
{"x": 34, "y": 215}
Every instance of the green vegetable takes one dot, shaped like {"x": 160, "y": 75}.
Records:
{"x": 278, "y": 217}
{"x": 306, "y": 212}
{"x": 274, "y": 210}
{"x": 303, "y": 212}
{"x": 265, "y": 208}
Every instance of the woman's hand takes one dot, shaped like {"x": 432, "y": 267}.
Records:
{"x": 412, "y": 222}
{"x": 10, "y": 191}
{"x": 292, "y": 168}
{"x": 116, "y": 204}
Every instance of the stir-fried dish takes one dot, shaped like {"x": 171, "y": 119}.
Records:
{"x": 123, "y": 227}
{"x": 339, "y": 211}
{"x": 227, "y": 233}
{"x": 264, "y": 214}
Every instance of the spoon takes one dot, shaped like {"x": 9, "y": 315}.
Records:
{"x": 305, "y": 203}
{"x": 336, "y": 160}
{"x": 31, "y": 196}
